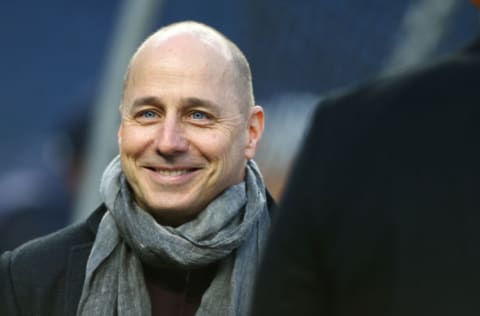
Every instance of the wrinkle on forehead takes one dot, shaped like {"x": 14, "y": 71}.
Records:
{"x": 190, "y": 49}
{"x": 189, "y": 35}
{"x": 185, "y": 58}
{"x": 187, "y": 52}
{"x": 192, "y": 36}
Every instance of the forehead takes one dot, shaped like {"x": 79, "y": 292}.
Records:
{"x": 192, "y": 39}
{"x": 187, "y": 52}
{"x": 184, "y": 65}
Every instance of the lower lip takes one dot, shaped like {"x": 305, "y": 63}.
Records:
{"x": 171, "y": 180}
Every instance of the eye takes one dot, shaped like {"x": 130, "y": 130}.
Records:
{"x": 199, "y": 118}
{"x": 197, "y": 115}
{"x": 149, "y": 114}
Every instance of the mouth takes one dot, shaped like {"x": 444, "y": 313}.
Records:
{"x": 172, "y": 172}
{"x": 172, "y": 176}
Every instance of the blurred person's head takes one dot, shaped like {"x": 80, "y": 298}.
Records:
{"x": 66, "y": 148}
{"x": 189, "y": 123}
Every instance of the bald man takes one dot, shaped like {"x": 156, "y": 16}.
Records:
{"x": 185, "y": 211}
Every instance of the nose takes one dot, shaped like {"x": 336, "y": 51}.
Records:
{"x": 171, "y": 139}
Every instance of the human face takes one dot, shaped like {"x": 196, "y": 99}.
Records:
{"x": 184, "y": 137}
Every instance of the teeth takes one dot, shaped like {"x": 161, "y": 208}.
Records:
{"x": 172, "y": 173}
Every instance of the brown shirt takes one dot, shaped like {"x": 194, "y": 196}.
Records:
{"x": 177, "y": 292}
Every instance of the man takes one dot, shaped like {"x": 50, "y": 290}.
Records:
{"x": 382, "y": 213}
{"x": 185, "y": 209}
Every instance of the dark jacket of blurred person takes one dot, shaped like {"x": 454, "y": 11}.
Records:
{"x": 185, "y": 211}
{"x": 382, "y": 213}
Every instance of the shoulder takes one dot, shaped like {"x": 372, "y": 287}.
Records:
{"x": 371, "y": 132}
{"x": 37, "y": 272}
{"x": 405, "y": 89}
{"x": 49, "y": 247}
{"x": 390, "y": 102}
{"x": 44, "y": 268}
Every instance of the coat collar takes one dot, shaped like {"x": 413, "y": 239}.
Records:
{"x": 77, "y": 262}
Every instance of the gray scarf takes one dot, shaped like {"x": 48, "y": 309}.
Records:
{"x": 231, "y": 230}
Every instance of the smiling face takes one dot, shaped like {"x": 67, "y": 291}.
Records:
{"x": 185, "y": 134}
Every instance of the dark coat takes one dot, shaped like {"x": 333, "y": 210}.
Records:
{"x": 45, "y": 277}
{"x": 382, "y": 213}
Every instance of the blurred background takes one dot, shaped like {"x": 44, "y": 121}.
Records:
{"x": 62, "y": 64}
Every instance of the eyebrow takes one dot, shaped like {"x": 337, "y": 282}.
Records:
{"x": 147, "y": 100}
{"x": 192, "y": 101}
{"x": 187, "y": 102}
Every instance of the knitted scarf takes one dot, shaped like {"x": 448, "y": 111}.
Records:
{"x": 232, "y": 229}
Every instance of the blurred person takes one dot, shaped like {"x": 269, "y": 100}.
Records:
{"x": 37, "y": 200}
{"x": 381, "y": 215}
{"x": 287, "y": 117}
{"x": 185, "y": 211}
{"x": 33, "y": 202}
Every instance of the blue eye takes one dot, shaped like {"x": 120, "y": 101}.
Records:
{"x": 149, "y": 114}
{"x": 199, "y": 115}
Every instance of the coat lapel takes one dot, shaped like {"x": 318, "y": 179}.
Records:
{"x": 77, "y": 263}
{"x": 75, "y": 276}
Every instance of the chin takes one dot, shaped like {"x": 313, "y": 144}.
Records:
{"x": 172, "y": 217}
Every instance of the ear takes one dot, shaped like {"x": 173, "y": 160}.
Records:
{"x": 119, "y": 135}
{"x": 255, "y": 130}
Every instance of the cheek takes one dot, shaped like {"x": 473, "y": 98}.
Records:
{"x": 134, "y": 140}
{"x": 227, "y": 149}
{"x": 219, "y": 144}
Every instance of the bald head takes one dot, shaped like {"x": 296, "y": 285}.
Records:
{"x": 186, "y": 38}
